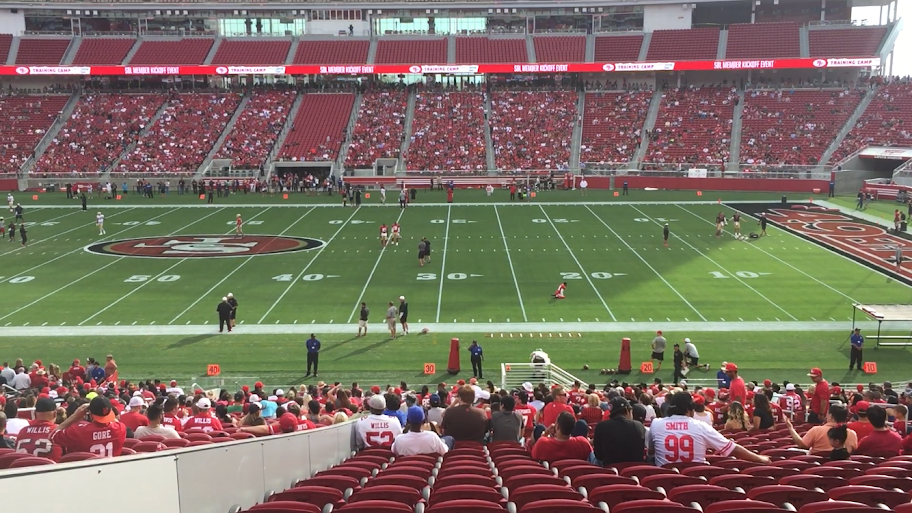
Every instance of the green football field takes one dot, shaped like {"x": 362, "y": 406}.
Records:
{"x": 776, "y": 306}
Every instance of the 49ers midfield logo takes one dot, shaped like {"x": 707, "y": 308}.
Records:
{"x": 204, "y": 246}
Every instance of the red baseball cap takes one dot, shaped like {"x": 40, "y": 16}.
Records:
{"x": 710, "y": 393}
{"x": 397, "y": 391}
{"x": 288, "y": 423}
{"x": 173, "y": 383}
{"x": 258, "y": 384}
{"x": 767, "y": 383}
{"x": 45, "y": 390}
{"x": 628, "y": 390}
{"x": 815, "y": 373}
{"x": 859, "y": 387}
{"x": 659, "y": 332}
{"x": 461, "y": 382}
{"x": 473, "y": 381}
{"x": 861, "y": 406}
{"x": 61, "y": 391}
{"x": 245, "y": 388}
{"x": 836, "y": 390}
{"x": 375, "y": 389}
{"x": 698, "y": 399}
{"x": 731, "y": 367}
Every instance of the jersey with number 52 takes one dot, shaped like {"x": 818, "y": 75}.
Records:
{"x": 35, "y": 440}
{"x": 378, "y": 430}
{"x": 682, "y": 439}
{"x": 105, "y": 440}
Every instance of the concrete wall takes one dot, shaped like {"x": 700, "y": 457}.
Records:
{"x": 666, "y": 17}
{"x": 12, "y": 23}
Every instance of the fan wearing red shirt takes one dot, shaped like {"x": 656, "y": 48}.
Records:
{"x": 77, "y": 371}
{"x": 134, "y": 418}
{"x": 527, "y": 412}
{"x": 103, "y": 435}
{"x": 204, "y": 419}
{"x": 170, "y": 417}
{"x": 881, "y": 442}
{"x": 551, "y": 410}
{"x": 862, "y": 426}
{"x": 736, "y": 390}
{"x": 557, "y": 444}
{"x": 35, "y": 439}
{"x": 820, "y": 400}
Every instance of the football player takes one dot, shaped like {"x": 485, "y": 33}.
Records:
{"x": 720, "y": 223}
{"x": 383, "y": 235}
{"x": 736, "y": 223}
{"x": 99, "y": 223}
{"x": 559, "y": 294}
{"x": 396, "y": 235}
{"x": 238, "y": 227}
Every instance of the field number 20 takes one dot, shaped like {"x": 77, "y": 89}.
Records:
{"x": 739, "y": 274}
{"x": 599, "y": 275}
{"x": 138, "y": 278}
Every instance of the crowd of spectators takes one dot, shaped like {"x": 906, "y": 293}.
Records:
{"x": 380, "y": 127}
{"x": 532, "y": 129}
{"x": 883, "y": 122}
{"x": 98, "y": 131}
{"x": 25, "y": 121}
{"x": 257, "y": 128}
{"x": 448, "y": 131}
{"x": 793, "y": 127}
{"x": 693, "y": 126}
{"x": 182, "y": 137}
{"x": 612, "y": 125}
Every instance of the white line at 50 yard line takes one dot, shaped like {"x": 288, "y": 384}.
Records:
{"x": 570, "y": 251}
{"x": 371, "y": 275}
{"x": 236, "y": 269}
{"x": 312, "y": 260}
{"x": 510, "y": 260}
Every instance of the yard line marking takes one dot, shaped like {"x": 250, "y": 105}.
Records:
{"x": 733, "y": 275}
{"x": 312, "y": 260}
{"x": 653, "y": 269}
{"x": 80, "y": 227}
{"x": 780, "y": 260}
{"x": 510, "y": 260}
{"x": 374, "y": 270}
{"x": 561, "y": 237}
{"x": 150, "y": 280}
{"x": 446, "y": 240}
{"x": 236, "y": 269}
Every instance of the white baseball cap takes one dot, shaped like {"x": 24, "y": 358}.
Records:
{"x": 401, "y": 298}
{"x": 225, "y": 298}
{"x": 136, "y": 402}
{"x": 790, "y": 387}
{"x": 280, "y": 392}
{"x": 230, "y": 294}
{"x": 527, "y": 386}
{"x": 687, "y": 341}
{"x": 203, "y": 404}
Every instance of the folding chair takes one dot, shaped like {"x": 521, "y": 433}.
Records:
{"x": 782, "y": 494}
{"x": 870, "y": 495}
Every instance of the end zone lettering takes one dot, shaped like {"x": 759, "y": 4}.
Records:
{"x": 204, "y": 246}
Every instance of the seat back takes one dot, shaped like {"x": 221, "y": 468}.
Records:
{"x": 149, "y": 447}
{"x": 534, "y": 493}
{"x": 78, "y": 456}
{"x": 414, "y": 482}
{"x": 652, "y": 506}
{"x": 457, "y": 492}
{"x": 285, "y": 507}
{"x": 840, "y": 506}
{"x": 781, "y": 494}
{"x": 668, "y": 481}
{"x": 376, "y": 506}
{"x": 870, "y": 495}
{"x": 319, "y": 495}
{"x": 463, "y": 506}
{"x": 707, "y": 471}
{"x": 31, "y": 461}
{"x": 702, "y": 494}
{"x": 742, "y": 505}
{"x": 616, "y": 494}
{"x": 341, "y": 483}
{"x": 522, "y": 480}
{"x": 741, "y": 481}
{"x": 641, "y": 471}
{"x": 885, "y": 482}
{"x": 396, "y": 493}
{"x": 562, "y": 505}
{"x": 811, "y": 481}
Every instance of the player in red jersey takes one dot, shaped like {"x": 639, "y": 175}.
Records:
{"x": 396, "y": 234}
{"x": 204, "y": 418}
{"x": 559, "y": 294}
{"x": 383, "y": 235}
{"x": 239, "y": 227}
{"x": 35, "y": 439}
{"x": 2, "y": 228}
{"x": 103, "y": 435}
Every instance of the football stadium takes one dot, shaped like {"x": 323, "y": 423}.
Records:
{"x": 415, "y": 257}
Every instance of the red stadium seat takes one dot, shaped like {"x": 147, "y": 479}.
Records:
{"x": 702, "y": 494}
{"x": 149, "y": 447}
{"x": 889, "y": 471}
{"x": 355, "y": 472}
{"x": 535, "y": 493}
{"x": 285, "y": 507}
{"x": 199, "y": 443}
{"x": 585, "y": 470}
{"x": 840, "y": 506}
{"x": 465, "y": 469}
{"x": 781, "y": 494}
{"x": 739, "y": 464}
{"x": 403, "y": 470}
{"x": 31, "y": 461}
{"x": 416, "y": 458}
{"x": 384, "y": 452}
{"x": 319, "y": 495}
{"x": 509, "y": 472}
{"x": 561, "y": 505}
{"x": 177, "y": 442}
{"x": 198, "y": 437}
{"x": 857, "y": 465}
{"x": 127, "y": 451}
{"x": 742, "y": 481}
{"x": 775, "y": 472}
{"x": 895, "y": 464}
{"x": 130, "y": 442}
{"x": 465, "y": 505}
{"x": 242, "y": 435}
{"x": 651, "y": 506}
{"x": 152, "y": 438}
{"x": 341, "y": 483}
{"x": 903, "y": 508}
{"x": 616, "y": 494}
{"x": 453, "y": 493}
{"x": 78, "y": 456}
{"x": 668, "y": 481}
{"x": 376, "y": 506}
{"x": 414, "y": 482}
{"x": 684, "y": 464}
{"x": 885, "y": 482}
{"x": 783, "y": 453}
{"x": 794, "y": 464}
{"x": 515, "y": 462}
{"x": 641, "y": 471}
{"x": 810, "y": 481}
{"x": 457, "y": 480}
{"x": 560, "y": 465}
{"x": 378, "y": 460}
{"x": 404, "y": 494}
{"x": 707, "y": 471}
{"x": 742, "y": 505}
{"x": 870, "y": 495}
{"x": 813, "y": 458}
{"x": 845, "y": 473}
{"x": 533, "y": 479}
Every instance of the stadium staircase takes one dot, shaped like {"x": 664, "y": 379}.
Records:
{"x": 13, "y": 50}
{"x": 576, "y": 140}
{"x": 349, "y": 130}
{"x": 651, "y": 117}
{"x": 723, "y": 44}
{"x": 590, "y": 48}
{"x": 489, "y": 141}
{"x": 49, "y": 136}
{"x": 106, "y": 174}
{"x": 530, "y": 48}
{"x": 837, "y": 142}
{"x": 644, "y": 47}
{"x": 280, "y": 140}
{"x": 372, "y": 50}
{"x": 132, "y": 52}
{"x": 407, "y": 135}
{"x": 224, "y": 135}
{"x": 451, "y": 48}
{"x": 71, "y": 52}
{"x": 292, "y": 50}
{"x": 804, "y": 41}
{"x": 734, "y": 154}
{"x": 213, "y": 50}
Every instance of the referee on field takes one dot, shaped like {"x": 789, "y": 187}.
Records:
{"x": 857, "y": 354}
{"x": 313, "y": 355}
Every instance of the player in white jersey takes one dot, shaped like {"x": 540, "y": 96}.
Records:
{"x": 681, "y": 438}
{"x": 384, "y": 234}
{"x": 396, "y": 235}
{"x": 99, "y": 222}
{"x": 377, "y": 430}
{"x": 382, "y": 195}
{"x": 10, "y": 201}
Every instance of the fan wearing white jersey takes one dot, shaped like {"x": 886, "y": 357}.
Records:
{"x": 99, "y": 222}
{"x": 681, "y": 438}
{"x": 377, "y": 430}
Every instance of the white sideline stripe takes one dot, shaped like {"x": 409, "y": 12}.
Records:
{"x": 510, "y": 260}
{"x": 42, "y": 264}
{"x": 774, "y": 257}
{"x": 570, "y": 251}
{"x": 150, "y": 280}
{"x": 733, "y": 275}
{"x": 647, "y": 264}
{"x": 446, "y": 240}
{"x": 411, "y": 205}
{"x": 312, "y": 260}
{"x": 57, "y": 234}
{"x": 478, "y": 327}
{"x": 371, "y": 275}
{"x": 236, "y": 269}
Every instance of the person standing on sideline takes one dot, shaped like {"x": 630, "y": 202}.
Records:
{"x": 224, "y": 313}
{"x": 898, "y": 258}
{"x": 427, "y": 250}
{"x": 238, "y": 227}
{"x": 832, "y": 189}
{"x": 82, "y": 197}
{"x": 762, "y": 224}
{"x": 210, "y": 197}
{"x": 512, "y": 192}
{"x": 422, "y": 248}
{"x": 678, "y": 374}
{"x": 665, "y": 234}
{"x": 658, "y": 350}
{"x": 362, "y": 320}
{"x": 477, "y": 358}
{"x": 382, "y": 195}
{"x": 19, "y": 212}
{"x": 403, "y": 315}
{"x": 234, "y": 304}
{"x": 402, "y": 197}
{"x": 313, "y": 355}
{"x": 856, "y": 355}
{"x": 23, "y": 235}
{"x": 391, "y": 315}
{"x": 625, "y": 188}
{"x": 820, "y": 399}
{"x": 583, "y": 185}
{"x": 99, "y": 223}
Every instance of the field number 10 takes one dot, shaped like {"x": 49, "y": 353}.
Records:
{"x": 739, "y": 274}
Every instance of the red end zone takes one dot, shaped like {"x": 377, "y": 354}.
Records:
{"x": 862, "y": 241}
